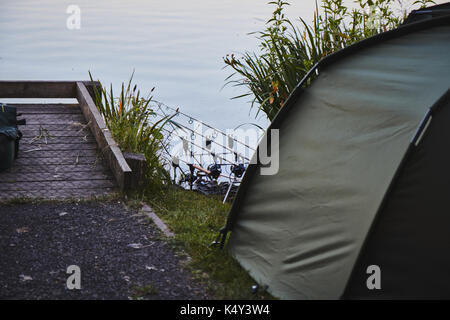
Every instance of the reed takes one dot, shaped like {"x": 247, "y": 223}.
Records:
{"x": 288, "y": 51}
{"x": 127, "y": 117}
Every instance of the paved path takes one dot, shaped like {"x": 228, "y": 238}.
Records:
{"x": 120, "y": 254}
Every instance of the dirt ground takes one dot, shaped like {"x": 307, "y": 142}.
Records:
{"x": 120, "y": 254}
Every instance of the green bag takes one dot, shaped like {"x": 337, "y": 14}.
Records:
{"x": 9, "y": 136}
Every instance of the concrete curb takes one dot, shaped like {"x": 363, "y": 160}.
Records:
{"x": 146, "y": 210}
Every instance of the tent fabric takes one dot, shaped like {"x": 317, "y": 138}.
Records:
{"x": 410, "y": 240}
{"x": 428, "y": 13}
{"x": 299, "y": 232}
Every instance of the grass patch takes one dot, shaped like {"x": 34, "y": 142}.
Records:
{"x": 195, "y": 219}
{"x": 138, "y": 293}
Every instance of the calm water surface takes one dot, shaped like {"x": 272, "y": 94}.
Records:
{"x": 176, "y": 46}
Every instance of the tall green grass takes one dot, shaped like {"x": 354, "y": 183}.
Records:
{"x": 288, "y": 51}
{"x": 127, "y": 117}
{"x": 195, "y": 219}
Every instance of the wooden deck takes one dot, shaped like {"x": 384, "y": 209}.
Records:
{"x": 58, "y": 157}
{"x": 62, "y": 150}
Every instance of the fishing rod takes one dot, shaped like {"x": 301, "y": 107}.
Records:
{"x": 203, "y": 148}
{"x": 206, "y": 138}
{"x": 199, "y": 167}
{"x": 191, "y": 119}
{"x": 170, "y": 133}
{"x": 213, "y": 154}
{"x": 175, "y": 164}
{"x": 191, "y": 152}
{"x": 193, "y": 132}
{"x": 209, "y": 153}
{"x": 236, "y": 168}
{"x": 168, "y": 152}
{"x": 201, "y": 135}
{"x": 214, "y": 171}
{"x": 173, "y": 132}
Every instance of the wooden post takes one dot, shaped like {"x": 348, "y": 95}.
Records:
{"x": 42, "y": 89}
{"x": 138, "y": 164}
{"x": 119, "y": 167}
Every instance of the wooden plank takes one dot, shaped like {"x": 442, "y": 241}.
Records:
{"x": 58, "y": 193}
{"x": 137, "y": 163}
{"x": 57, "y": 168}
{"x": 57, "y": 161}
{"x": 40, "y": 89}
{"x": 67, "y": 117}
{"x": 29, "y": 111}
{"x": 46, "y": 176}
{"x": 60, "y": 153}
{"x": 56, "y": 147}
{"x": 45, "y": 106}
{"x": 43, "y": 185}
{"x": 55, "y": 127}
{"x": 37, "y": 89}
{"x": 33, "y": 140}
{"x": 46, "y": 119}
{"x": 106, "y": 143}
{"x": 29, "y": 132}
{"x": 32, "y": 109}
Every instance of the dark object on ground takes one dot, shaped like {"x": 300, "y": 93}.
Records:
{"x": 138, "y": 165}
{"x": 7, "y": 151}
{"x": 213, "y": 188}
{"x": 120, "y": 255}
{"x": 9, "y": 136}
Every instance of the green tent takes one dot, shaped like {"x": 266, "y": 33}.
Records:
{"x": 364, "y": 175}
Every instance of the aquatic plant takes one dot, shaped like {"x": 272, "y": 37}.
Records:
{"x": 288, "y": 51}
{"x": 127, "y": 117}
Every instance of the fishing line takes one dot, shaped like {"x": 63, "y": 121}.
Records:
{"x": 160, "y": 104}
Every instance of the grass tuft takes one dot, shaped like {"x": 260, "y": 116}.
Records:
{"x": 195, "y": 219}
{"x": 139, "y": 293}
{"x": 128, "y": 117}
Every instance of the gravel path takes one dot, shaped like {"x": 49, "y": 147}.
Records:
{"x": 39, "y": 241}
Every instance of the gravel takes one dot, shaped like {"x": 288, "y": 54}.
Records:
{"x": 121, "y": 255}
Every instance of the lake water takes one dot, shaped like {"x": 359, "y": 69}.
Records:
{"x": 176, "y": 46}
